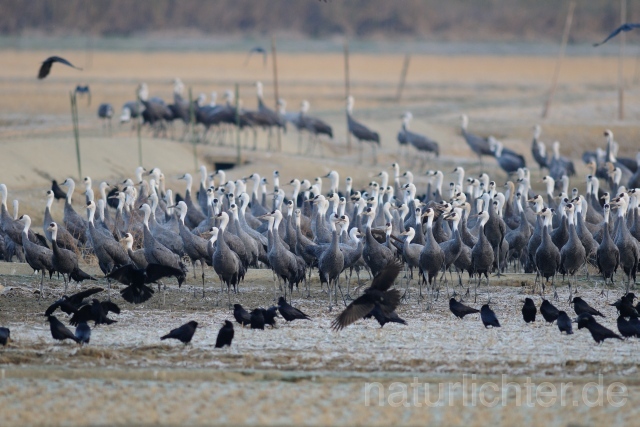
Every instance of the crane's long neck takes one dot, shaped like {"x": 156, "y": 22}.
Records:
{"x": 27, "y": 224}
{"x": 410, "y": 235}
{"x": 256, "y": 185}
{"x": 71, "y": 186}
{"x": 92, "y": 213}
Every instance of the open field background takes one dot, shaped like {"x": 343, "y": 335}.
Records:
{"x": 300, "y": 373}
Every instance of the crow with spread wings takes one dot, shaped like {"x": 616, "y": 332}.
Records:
{"x": 624, "y": 27}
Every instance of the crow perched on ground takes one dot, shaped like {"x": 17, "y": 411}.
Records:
{"x": 96, "y": 311}
{"x": 383, "y": 319}
{"x": 564, "y": 323}
{"x": 628, "y": 298}
{"x": 529, "y": 310}
{"x": 257, "y": 319}
{"x": 488, "y": 317}
{"x": 183, "y": 334}
{"x": 59, "y": 331}
{"x": 598, "y": 332}
{"x": 5, "y": 335}
{"x": 625, "y": 306}
{"x": 626, "y": 328}
{"x": 45, "y": 68}
{"x": 58, "y": 192}
{"x": 580, "y": 306}
{"x": 378, "y": 294}
{"x": 225, "y": 336}
{"x": 270, "y": 315}
{"x": 137, "y": 280}
{"x": 549, "y": 311}
{"x": 290, "y": 313}
{"x": 241, "y": 315}
{"x": 460, "y": 310}
{"x": 71, "y": 304}
{"x": 83, "y": 333}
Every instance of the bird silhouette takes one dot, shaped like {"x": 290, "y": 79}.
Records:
{"x": 580, "y": 306}
{"x": 257, "y": 319}
{"x": 45, "y": 68}
{"x": 183, "y": 334}
{"x": 225, "y": 336}
{"x": 529, "y": 310}
{"x": 382, "y": 318}
{"x": 5, "y": 335}
{"x": 270, "y": 315}
{"x": 626, "y": 328}
{"x": 624, "y": 27}
{"x": 598, "y": 332}
{"x": 71, "y": 304}
{"x": 137, "y": 279}
{"x": 59, "y": 331}
{"x": 241, "y": 315}
{"x": 96, "y": 311}
{"x": 377, "y": 294}
{"x": 488, "y": 317}
{"x": 260, "y": 50}
{"x": 564, "y": 323}
{"x": 290, "y": 313}
{"x": 460, "y": 310}
{"x": 83, "y": 333}
{"x": 549, "y": 311}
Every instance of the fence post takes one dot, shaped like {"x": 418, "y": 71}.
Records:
{"x": 76, "y": 130}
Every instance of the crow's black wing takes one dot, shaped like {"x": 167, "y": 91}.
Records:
{"x": 621, "y": 28}
{"x": 387, "y": 276}
{"x": 355, "y": 311}
{"x": 109, "y": 306}
{"x": 156, "y": 272}
{"x": 45, "y": 68}
{"x": 137, "y": 294}
{"x": 80, "y": 296}
{"x": 127, "y": 275}
{"x": 84, "y": 314}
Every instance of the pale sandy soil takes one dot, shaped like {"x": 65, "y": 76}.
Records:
{"x": 301, "y": 373}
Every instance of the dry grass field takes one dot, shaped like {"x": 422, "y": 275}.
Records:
{"x": 300, "y": 374}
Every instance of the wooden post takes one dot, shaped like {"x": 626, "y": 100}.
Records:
{"x": 563, "y": 46}
{"x": 275, "y": 84}
{"x": 347, "y": 85}
{"x": 76, "y": 130}
{"x": 403, "y": 76}
{"x": 139, "y": 129}
{"x": 623, "y": 37}
{"x": 239, "y": 152}
{"x": 192, "y": 133}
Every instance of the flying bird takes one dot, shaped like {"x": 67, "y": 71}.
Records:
{"x": 257, "y": 49}
{"x": 96, "y": 311}
{"x": 225, "y": 336}
{"x": 45, "y": 68}
{"x": 71, "y": 304}
{"x": 137, "y": 280}
{"x": 460, "y": 310}
{"x": 378, "y": 294}
{"x": 84, "y": 90}
{"x": 624, "y": 27}
{"x": 183, "y": 334}
{"x": 290, "y": 313}
{"x": 488, "y": 317}
{"x": 529, "y": 310}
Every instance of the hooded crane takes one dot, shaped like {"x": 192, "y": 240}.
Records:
{"x": 361, "y": 132}
{"x": 478, "y": 145}
{"x": 420, "y": 142}
{"x": 65, "y": 261}
{"x": 38, "y": 257}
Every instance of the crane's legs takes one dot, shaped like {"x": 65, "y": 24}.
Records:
{"x": 202, "y": 265}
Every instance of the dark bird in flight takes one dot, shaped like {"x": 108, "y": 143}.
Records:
{"x": 183, "y": 334}
{"x": 383, "y": 319}
{"x": 225, "y": 336}
{"x": 580, "y": 306}
{"x": 260, "y": 50}
{"x": 58, "y": 192}
{"x": 626, "y": 328}
{"x": 529, "y": 310}
{"x": 290, "y": 313}
{"x": 378, "y": 294}
{"x": 257, "y": 319}
{"x": 83, "y": 333}
{"x": 241, "y": 315}
{"x": 71, "y": 304}
{"x": 5, "y": 335}
{"x": 564, "y": 323}
{"x": 137, "y": 280}
{"x": 488, "y": 317}
{"x": 460, "y": 310}
{"x": 59, "y": 331}
{"x": 598, "y": 332}
{"x": 96, "y": 311}
{"x": 624, "y": 27}
{"x": 549, "y": 311}
{"x": 84, "y": 90}
{"x": 45, "y": 68}
{"x": 270, "y": 315}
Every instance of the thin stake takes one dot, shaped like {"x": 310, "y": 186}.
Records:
{"x": 347, "y": 85}
{"x": 192, "y": 122}
{"x": 238, "y": 158}
{"x": 563, "y": 45}
{"x": 76, "y": 131}
{"x": 403, "y": 76}
{"x": 139, "y": 131}
{"x": 623, "y": 37}
{"x": 275, "y": 84}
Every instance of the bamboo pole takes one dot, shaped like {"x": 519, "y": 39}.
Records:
{"x": 76, "y": 130}
{"x": 623, "y": 38}
{"x": 275, "y": 85}
{"x": 347, "y": 85}
{"x": 139, "y": 129}
{"x": 563, "y": 46}
{"x": 238, "y": 148}
{"x": 403, "y": 76}
{"x": 192, "y": 134}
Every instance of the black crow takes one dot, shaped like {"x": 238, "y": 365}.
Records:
{"x": 488, "y": 317}
{"x": 58, "y": 192}
{"x": 628, "y": 298}
{"x": 5, "y": 335}
{"x": 529, "y": 310}
{"x": 580, "y": 306}
{"x": 183, "y": 334}
{"x": 137, "y": 280}
{"x": 71, "y": 304}
{"x": 382, "y": 318}
{"x": 225, "y": 336}
{"x": 241, "y": 315}
{"x": 45, "y": 68}
{"x": 624, "y": 27}
{"x": 460, "y": 310}
{"x": 626, "y": 328}
{"x": 564, "y": 323}
{"x": 548, "y": 311}
{"x": 377, "y": 294}
{"x": 257, "y": 319}
{"x": 59, "y": 331}
{"x": 269, "y": 316}
{"x": 83, "y": 332}
{"x": 598, "y": 332}
{"x": 290, "y": 313}
{"x": 96, "y": 311}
